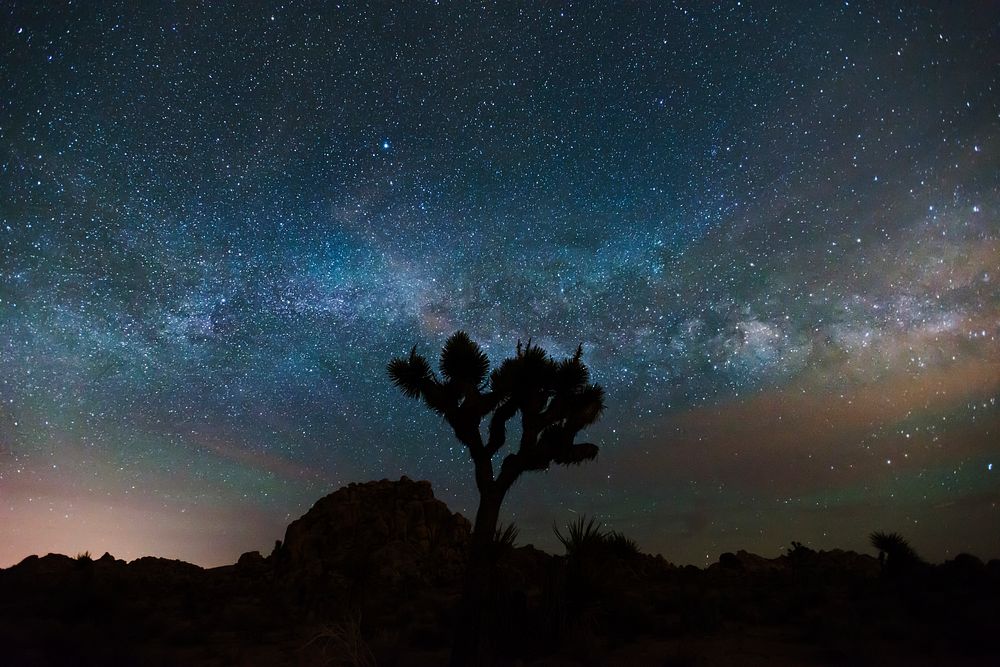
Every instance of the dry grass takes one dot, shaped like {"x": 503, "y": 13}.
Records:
{"x": 343, "y": 643}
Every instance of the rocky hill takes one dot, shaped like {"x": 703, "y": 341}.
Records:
{"x": 391, "y": 533}
{"x": 371, "y": 575}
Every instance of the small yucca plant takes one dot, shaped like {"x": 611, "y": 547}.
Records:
{"x": 581, "y": 536}
{"x": 621, "y": 545}
{"x": 894, "y": 553}
{"x": 506, "y": 536}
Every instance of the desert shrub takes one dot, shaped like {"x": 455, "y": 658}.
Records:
{"x": 582, "y": 536}
{"x": 620, "y": 545}
{"x": 343, "y": 644}
{"x": 505, "y": 537}
{"x": 601, "y": 586}
{"x": 587, "y": 538}
{"x": 799, "y": 552}
{"x": 894, "y": 553}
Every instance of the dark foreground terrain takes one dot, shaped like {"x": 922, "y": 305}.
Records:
{"x": 371, "y": 574}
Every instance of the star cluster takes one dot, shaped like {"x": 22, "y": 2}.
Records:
{"x": 773, "y": 227}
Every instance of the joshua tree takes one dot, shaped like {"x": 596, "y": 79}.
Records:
{"x": 555, "y": 401}
{"x": 895, "y": 555}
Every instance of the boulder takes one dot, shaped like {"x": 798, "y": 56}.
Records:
{"x": 381, "y": 533}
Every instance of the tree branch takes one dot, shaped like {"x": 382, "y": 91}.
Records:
{"x": 484, "y": 473}
{"x": 498, "y": 425}
{"x": 576, "y": 454}
{"x": 510, "y": 470}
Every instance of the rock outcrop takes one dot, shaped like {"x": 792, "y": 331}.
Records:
{"x": 384, "y": 533}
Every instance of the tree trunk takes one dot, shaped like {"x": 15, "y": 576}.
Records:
{"x": 471, "y": 646}
{"x": 487, "y": 517}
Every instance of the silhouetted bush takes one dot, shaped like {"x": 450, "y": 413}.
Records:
{"x": 505, "y": 537}
{"x": 582, "y": 536}
{"x": 799, "y": 554}
{"x": 586, "y": 537}
{"x": 895, "y": 554}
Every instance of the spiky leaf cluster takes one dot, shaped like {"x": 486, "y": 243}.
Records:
{"x": 582, "y": 535}
{"x": 411, "y": 374}
{"x": 890, "y": 543}
{"x": 587, "y": 538}
{"x": 898, "y": 554}
{"x": 463, "y": 362}
{"x": 555, "y": 400}
{"x": 506, "y": 536}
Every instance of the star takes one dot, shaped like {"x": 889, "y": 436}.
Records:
{"x": 214, "y": 237}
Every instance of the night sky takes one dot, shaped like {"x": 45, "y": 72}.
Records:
{"x": 775, "y": 230}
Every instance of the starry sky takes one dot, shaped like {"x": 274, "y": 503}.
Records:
{"x": 775, "y": 228}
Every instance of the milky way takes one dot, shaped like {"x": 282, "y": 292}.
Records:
{"x": 774, "y": 229}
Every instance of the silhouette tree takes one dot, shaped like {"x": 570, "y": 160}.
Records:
{"x": 895, "y": 555}
{"x": 555, "y": 401}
